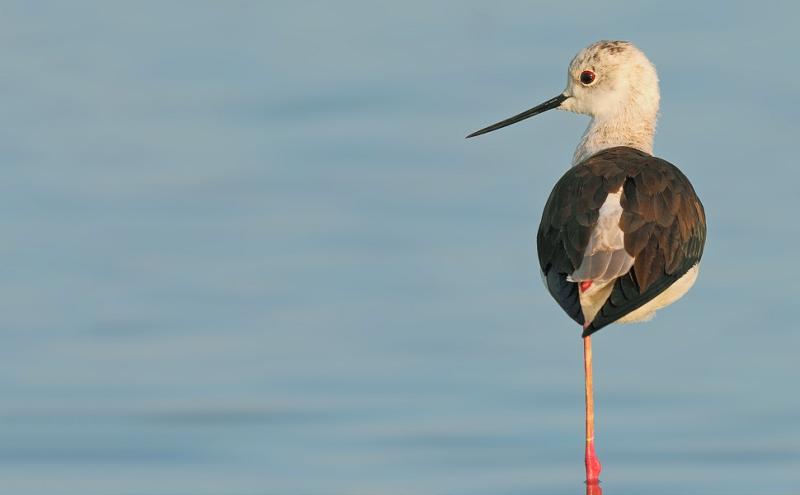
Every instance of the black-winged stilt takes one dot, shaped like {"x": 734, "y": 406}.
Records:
{"x": 622, "y": 232}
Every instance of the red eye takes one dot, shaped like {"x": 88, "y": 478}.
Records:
{"x": 587, "y": 77}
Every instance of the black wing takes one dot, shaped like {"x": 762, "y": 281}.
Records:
{"x": 663, "y": 223}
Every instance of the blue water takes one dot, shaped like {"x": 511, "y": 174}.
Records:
{"x": 248, "y": 251}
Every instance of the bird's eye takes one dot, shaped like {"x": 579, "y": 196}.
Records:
{"x": 587, "y": 77}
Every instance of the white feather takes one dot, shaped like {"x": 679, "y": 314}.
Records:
{"x": 622, "y": 101}
{"x": 605, "y": 257}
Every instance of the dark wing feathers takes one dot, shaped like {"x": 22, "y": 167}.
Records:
{"x": 566, "y": 295}
{"x": 663, "y": 221}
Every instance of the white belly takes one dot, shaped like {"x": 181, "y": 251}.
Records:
{"x": 669, "y": 296}
{"x": 594, "y": 298}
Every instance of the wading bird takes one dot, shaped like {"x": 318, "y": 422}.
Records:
{"x": 622, "y": 232}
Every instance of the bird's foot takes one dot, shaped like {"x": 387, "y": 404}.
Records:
{"x": 592, "y": 464}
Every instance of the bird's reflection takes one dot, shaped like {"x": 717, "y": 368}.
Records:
{"x": 593, "y": 488}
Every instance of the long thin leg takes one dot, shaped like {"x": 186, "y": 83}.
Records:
{"x": 592, "y": 463}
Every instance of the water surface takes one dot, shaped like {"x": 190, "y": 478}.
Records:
{"x": 247, "y": 250}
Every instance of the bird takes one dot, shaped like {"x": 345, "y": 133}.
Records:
{"x": 622, "y": 232}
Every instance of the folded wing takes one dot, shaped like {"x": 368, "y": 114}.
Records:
{"x": 620, "y": 215}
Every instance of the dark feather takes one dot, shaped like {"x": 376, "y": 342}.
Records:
{"x": 663, "y": 223}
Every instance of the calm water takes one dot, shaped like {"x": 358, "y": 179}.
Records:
{"x": 248, "y": 251}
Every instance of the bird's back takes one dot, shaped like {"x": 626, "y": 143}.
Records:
{"x": 663, "y": 230}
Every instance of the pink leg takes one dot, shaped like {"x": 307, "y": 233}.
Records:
{"x": 592, "y": 463}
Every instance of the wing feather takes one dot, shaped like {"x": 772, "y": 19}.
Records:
{"x": 662, "y": 223}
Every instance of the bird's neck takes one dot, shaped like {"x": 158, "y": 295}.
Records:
{"x": 631, "y": 128}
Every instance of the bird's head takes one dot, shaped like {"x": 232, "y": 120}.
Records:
{"x": 605, "y": 80}
{"x": 609, "y": 77}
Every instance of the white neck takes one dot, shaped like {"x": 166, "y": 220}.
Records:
{"x": 630, "y": 128}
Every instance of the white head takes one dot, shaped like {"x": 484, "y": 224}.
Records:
{"x": 608, "y": 79}
{"x": 615, "y": 84}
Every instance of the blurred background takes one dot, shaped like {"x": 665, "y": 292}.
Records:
{"x": 247, "y": 250}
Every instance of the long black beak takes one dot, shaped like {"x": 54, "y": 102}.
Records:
{"x": 548, "y": 105}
